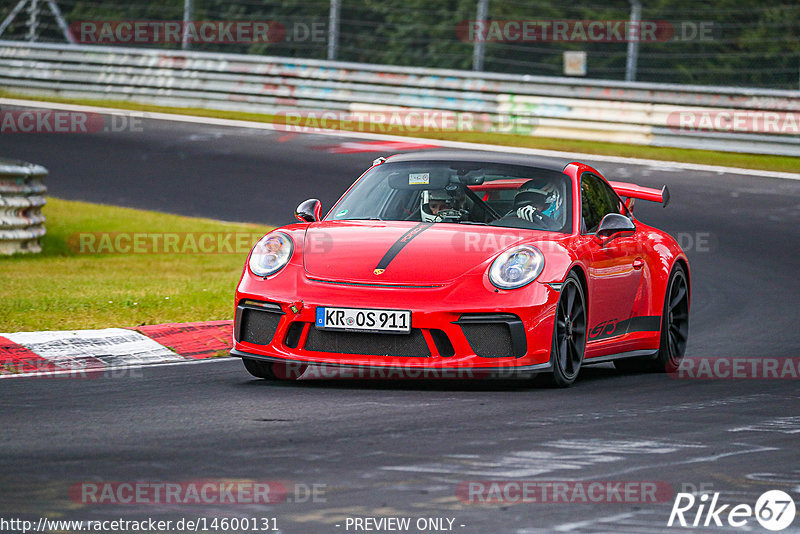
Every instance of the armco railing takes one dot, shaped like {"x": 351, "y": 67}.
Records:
{"x": 727, "y": 119}
{"x": 22, "y": 196}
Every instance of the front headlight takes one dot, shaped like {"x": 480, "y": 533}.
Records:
{"x": 516, "y": 267}
{"x": 270, "y": 254}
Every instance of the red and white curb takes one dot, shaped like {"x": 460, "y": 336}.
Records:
{"x": 84, "y": 351}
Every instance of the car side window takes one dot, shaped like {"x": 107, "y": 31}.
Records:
{"x": 597, "y": 201}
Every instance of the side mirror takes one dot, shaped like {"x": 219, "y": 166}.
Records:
{"x": 614, "y": 223}
{"x": 309, "y": 210}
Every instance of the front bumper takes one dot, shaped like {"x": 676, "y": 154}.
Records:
{"x": 403, "y": 371}
{"x": 453, "y": 328}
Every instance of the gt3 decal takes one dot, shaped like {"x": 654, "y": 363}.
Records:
{"x": 612, "y": 327}
{"x": 605, "y": 329}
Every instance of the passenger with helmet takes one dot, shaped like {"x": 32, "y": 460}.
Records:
{"x": 539, "y": 202}
{"x": 438, "y": 205}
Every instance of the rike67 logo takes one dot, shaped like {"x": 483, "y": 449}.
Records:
{"x": 774, "y": 510}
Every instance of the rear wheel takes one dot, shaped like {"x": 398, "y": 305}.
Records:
{"x": 674, "y": 329}
{"x": 674, "y": 323}
{"x": 273, "y": 370}
{"x": 569, "y": 334}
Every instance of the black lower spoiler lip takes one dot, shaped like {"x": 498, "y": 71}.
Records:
{"x": 538, "y": 368}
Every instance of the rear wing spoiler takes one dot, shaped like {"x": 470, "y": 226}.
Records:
{"x": 633, "y": 191}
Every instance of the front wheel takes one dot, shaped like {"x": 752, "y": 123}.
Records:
{"x": 273, "y": 370}
{"x": 569, "y": 334}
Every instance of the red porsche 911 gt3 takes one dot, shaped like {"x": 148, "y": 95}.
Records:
{"x": 447, "y": 260}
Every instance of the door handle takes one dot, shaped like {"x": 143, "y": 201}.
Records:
{"x": 638, "y": 263}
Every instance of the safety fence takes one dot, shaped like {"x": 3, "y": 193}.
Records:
{"x": 713, "y": 118}
{"x": 22, "y": 195}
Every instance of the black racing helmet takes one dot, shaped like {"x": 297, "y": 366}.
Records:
{"x": 536, "y": 192}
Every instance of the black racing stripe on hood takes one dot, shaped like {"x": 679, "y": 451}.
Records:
{"x": 404, "y": 240}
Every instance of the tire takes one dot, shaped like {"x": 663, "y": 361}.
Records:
{"x": 273, "y": 370}
{"x": 674, "y": 323}
{"x": 569, "y": 334}
{"x": 674, "y": 330}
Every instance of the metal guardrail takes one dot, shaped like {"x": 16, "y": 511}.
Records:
{"x": 626, "y": 112}
{"x": 22, "y": 195}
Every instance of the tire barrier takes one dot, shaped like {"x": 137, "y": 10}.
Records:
{"x": 22, "y": 196}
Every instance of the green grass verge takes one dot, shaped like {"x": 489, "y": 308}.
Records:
{"x": 66, "y": 288}
{"x": 706, "y": 157}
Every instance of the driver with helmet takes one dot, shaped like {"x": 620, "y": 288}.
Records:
{"x": 437, "y": 205}
{"x": 538, "y": 201}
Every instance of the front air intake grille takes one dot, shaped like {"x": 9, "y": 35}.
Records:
{"x": 257, "y": 325}
{"x": 412, "y": 344}
{"x": 494, "y": 335}
{"x": 442, "y": 343}
{"x": 490, "y": 340}
{"x": 293, "y": 334}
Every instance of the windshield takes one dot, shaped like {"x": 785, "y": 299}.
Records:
{"x": 463, "y": 193}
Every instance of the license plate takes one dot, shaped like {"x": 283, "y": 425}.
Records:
{"x": 364, "y": 320}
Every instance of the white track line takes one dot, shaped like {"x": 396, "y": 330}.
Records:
{"x": 112, "y": 368}
{"x": 384, "y": 137}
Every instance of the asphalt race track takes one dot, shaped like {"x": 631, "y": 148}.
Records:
{"x": 404, "y": 448}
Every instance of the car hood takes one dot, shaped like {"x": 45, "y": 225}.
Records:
{"x": 400, "y": 252}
